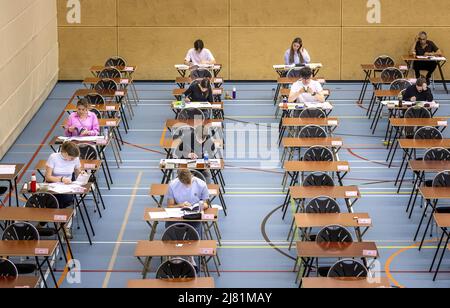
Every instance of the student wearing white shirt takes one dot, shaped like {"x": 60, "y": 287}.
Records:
{"x": 199, "y": 55}
{"x": 306, "y": 90}
{"x": 297, "y": 54}
{"x": 61, "y": 167}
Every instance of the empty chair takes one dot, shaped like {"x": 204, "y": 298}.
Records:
{"x": 318, "y": 179}
{"x": 334, "y": 234}
{"x": 87, "y": 151}
{"x": 383, "y": 61}
{"x": 318, "y": 153}
{"x": 442, "y": 179}
{"x": 312, "y": 131}
{"x": 391, "y": 74}
{"x": 22, "y": 231}
{"x": 115, "y": 62}
{"x": 200, "y": 73}
{"x": 437, "y": 154}
{"x": 191, "y": 114}
{"x": 176, "y": 268}
{"x": 180, "y": 232}
{"x": 312, "y": 113}
{"x": 95, "y": 99}
{"x": 322, "y": 205}
{"x": 400, "y": 84}
{"x": 348, "y": 268}
{"x": 417, "y": 112}
{"x": 430, "y": 133}
{"x": 8, "y": 269}
{"x": 43, "y": 201}
{"x": 110, "y": 72}
{"x": 106, "y": 84}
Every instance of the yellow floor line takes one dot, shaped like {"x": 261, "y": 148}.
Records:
{"x": 122, "y": 230}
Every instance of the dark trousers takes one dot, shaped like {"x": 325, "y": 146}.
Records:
{"x": 65, "y": 201}
{"x": 429, "y": 66}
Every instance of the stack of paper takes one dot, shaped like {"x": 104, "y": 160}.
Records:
{"x": 7, "y": 169}
{"x": 82, "y": 139}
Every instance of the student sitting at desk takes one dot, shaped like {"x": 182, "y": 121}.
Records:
{"x": 82, "y": 123}
{"x": 187, "y": 190}
{"x": 61, "y": 167}
{"x": 306, "y": 90}
{"x": 199, "y": 55}
{"x": 200, "y": 91}
{"x": 423, "y": 47}
{"x": 297, "y": 54}
{"x": 418, "y": 92}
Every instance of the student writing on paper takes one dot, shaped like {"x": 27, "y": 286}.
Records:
{"x": 420, "y": 92}
{"x": 199, "y": 55}
{"x": 187, "y": 190}
{"x": 195, "y": 143}
{"x": 62, "y": 168}
{"x": 200, "y": 91}
{"x": 297, "y": 54}
{"x": 306, "y": 90}
{"x": 82, "y": 123}
{"x": 424, "y": 47}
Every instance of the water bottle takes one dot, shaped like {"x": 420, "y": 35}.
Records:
{"x": 33, "y": 185}
{"x": 106, "y": 133}
{"x": 234, "y": 93}
{"x": 206, "y": 158}
{"x": 400, "y": 101}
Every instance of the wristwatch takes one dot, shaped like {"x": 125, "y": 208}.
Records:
{"x": 314, "y": 94}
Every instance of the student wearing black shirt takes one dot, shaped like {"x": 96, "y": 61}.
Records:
{"x": 418, "y": 92}
{"x": 200, "y": 92}
{"x": 423, "y": 47}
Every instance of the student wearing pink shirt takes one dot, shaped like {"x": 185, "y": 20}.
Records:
{"x": 82, "y": 123}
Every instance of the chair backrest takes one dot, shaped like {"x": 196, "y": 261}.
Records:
{"x": 8, "y": 269}
{"x": 322, "y": 205}
{"x": 21, "y": 231}
{"x": 334, "y": 234}
{"x": 390, "y": 74}
{"x": 348, "y": 268}
{"x": 318, "y": 179}
{"x": 417, "y": 112}
{"x": 191, "y": 114}
{"x": 95, "y": 99}
{"x": 442, "y": 179}
{"x": 400, "y": 84}
{"x": 293, "y": 73}
{"x": 200, "y": 73}
{"x": 180, "y": 232}
{"x": 318, "y": 153}
{"x": 312, "y": 131}
{"x": 97, "y": 113}
{"x": 383, "y": 61}
{"x": 312, "y": 113}
{"x": 42, "y": 201}
{"x": 87, "y": 151}
{"x": 175, "y": 269}
{"x": 437, "y": 154}
{"x": 429, "y": 133}
{"x": 106, "y": 84}
{"x": 116, "y": 61}
{"x": 110, "y": 72}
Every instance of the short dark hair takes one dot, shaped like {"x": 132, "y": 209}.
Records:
{"x": 199, "y": 45}
{"x": 70, "y": 149}
{"x": 420, "y": 81}
{"x": 205, "y": 83}
{"x": 185, "y": 176}
{"x": 83, "y": 102}
{"x": 306, "y": 73}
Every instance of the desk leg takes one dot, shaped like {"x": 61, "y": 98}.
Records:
{"x": 416, "y": 192}
{"x": 442, "y": 76}
{"x": 147, "y": 264}
{"x": 38, "y": 264}
{"x": 422, "y": 219}
{"x": 444, "y": 232}
{"x": 16, "y": 191}
{"x": 442, "y": 257}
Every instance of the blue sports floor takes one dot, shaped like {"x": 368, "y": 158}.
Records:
{"x": 253, "y": 228}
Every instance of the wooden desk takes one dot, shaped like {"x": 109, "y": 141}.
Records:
{"x": 316, "y": 166}
{"x": 118, "y": 81}
{"x": 310, "y": 142}
{"x": 421, "y": 144}
{"x": 441, "y": 61}
{"x": 151, "y": 249}
{"x": 335, "y": 250}
{"x": 387, "y": 93}
{"x": 343, "y": 283}
{"x": 36, "y": 249}
{"x": 175, "y": 123}
{"x": 21, "y": 282}
{"x": 182, "y": 69}
{"x": 101, "y": 108}
{"x": 160, "y": 190}
{"x": 96, "y": 69}
{"x": 292, "y": 80}
{"x": 12, "y": 181}
{"x": 350, "y": 220}
{"x": 197, "y": 283}
{"x": 182, "y": 81}
{"x": 300, "y": 122}
{"x": 217, "y": 93}
{"x": 335, "y": 192}
{"x": 105, "y": 93}
{"x": 285, "y": 92}
{"x": 413, "y": 122}
{"x": 429, "y": 166}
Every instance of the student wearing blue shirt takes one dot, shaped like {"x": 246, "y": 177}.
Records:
{"x": 297, "y": 54}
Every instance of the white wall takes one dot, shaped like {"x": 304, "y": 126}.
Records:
{"x": 28, "y": 63}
